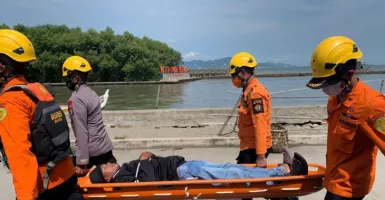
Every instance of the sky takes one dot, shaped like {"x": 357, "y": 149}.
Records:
{"x": 272, "y": 30}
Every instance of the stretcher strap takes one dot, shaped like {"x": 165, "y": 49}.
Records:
{"x": 59, "y": 157}
{"x": 137, "y": 171}
{"x": 47, "y": 172}
{"x": 187, "y": 194}
{"x": 136, "y": 174}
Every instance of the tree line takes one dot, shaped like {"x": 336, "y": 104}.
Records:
{"x": 113, "y": 57}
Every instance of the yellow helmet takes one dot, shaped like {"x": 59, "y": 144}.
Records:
{"x": 16, "y": 46}
{"x": 241, "y": 59}
{"x": 75, "y": 63}
{"x": 327, "y": 56}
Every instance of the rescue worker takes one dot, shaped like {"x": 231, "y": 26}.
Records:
{"x": 356, "y": 119}
{"x": 93, "y": 145}
{"x": 254, "y": 122}
{"x": 36, "y": 151}
{"x": 254, "y": 111}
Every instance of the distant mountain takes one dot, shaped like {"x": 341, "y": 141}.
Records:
{"x": 223, "y": 63}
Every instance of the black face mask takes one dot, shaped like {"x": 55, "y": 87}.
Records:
{"x": 70, "y": 85}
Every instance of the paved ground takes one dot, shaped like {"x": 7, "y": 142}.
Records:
{"x": 311, "y": 153}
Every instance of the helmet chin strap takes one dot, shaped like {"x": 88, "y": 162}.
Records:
{"x": 244, "y": 81}
{"x": 79, "y": 84}
{"x": 348, "y": 78}
{"x": 6, "y": 73}
{"x": 348, "y": 84}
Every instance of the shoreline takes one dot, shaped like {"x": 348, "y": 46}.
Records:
{"x": 177, "y": 81}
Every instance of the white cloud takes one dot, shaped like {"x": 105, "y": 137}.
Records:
{"x": 276, "y": 60}
{"x": 190, "y": 55}
{"x": 285, "y": 31}
{"x": 171, "y": 40}
{"x": 196, "y": 56}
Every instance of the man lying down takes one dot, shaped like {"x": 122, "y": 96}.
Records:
{"x": 150, "y": 167}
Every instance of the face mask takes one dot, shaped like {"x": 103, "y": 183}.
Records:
{"x": 70, "y": 85}
{"x": 333, "y": 90}
{"x": 237, "y": 82}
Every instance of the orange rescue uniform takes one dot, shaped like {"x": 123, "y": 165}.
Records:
{"x": 254, "y": 118}
{"x": 356, "y": 127}
{"x": 16, "y": 114}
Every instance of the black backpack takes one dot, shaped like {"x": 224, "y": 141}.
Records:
{"x": 49, "y": 128}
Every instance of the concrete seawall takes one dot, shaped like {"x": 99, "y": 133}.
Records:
{"x": 182, "y": 128}
{"x": 186, "y": 77}
{"x": 171, "y": 117}
{"x": 171, "y": 81}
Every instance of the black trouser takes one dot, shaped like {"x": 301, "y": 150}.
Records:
{"x": 249, "y": 156}
{"x": 331, "y": 196}
{"x": 66, "y": 191}
{"x": 100, "y": 159}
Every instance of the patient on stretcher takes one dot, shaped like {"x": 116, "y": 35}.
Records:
{"x": 150, "y": 167}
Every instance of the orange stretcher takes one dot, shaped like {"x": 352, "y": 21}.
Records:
{"x": 283, "y": 186}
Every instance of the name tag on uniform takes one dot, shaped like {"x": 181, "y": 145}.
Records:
{"x": 348, "y": 120}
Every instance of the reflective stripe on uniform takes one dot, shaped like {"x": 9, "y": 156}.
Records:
{"x": 61, "y": 138}
{"x": 51, "y": 108}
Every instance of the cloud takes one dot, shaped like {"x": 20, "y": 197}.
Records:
{"x": 201, "y": 29}
{"x": 233, "y": 27}
{"x": 171, "y": 40}
{"x": 197, "y": 56}
{"x": 276, "y": 60}
{"x": 190, "y": 56}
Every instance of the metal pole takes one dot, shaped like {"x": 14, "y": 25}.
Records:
{"x": 272, "y": 92}
{"x": 282, "y": 91}
{"x": 235, "y": 123}
{"x": 283, "y": 117}
{"x": 229, "y": 117}
{"x": 157, "y": 97}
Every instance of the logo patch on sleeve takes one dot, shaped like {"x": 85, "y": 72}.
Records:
{"x": 3, "y": 113}
{"x": 257, "y": 105}
{"x": 379, "y": 122}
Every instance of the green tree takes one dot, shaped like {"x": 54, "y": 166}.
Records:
{"x": 113, "y": 57}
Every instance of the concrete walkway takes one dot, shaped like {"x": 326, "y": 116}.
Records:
{"x": 315, "y": 154}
